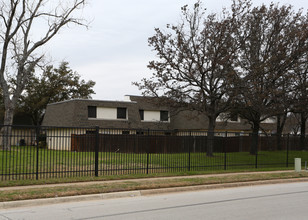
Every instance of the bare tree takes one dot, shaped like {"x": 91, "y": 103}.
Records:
{"x": 195, "y": 59}
{"x": 21, "y": 45}
{"x": 272, "y": 40}
{"x": 300, "y": 107}
{"x": 293, "y": 123}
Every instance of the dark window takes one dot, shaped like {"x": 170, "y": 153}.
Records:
{"x": 90, "y": 132}
{"x": 141, "y": 113}
{"x": 140, "y": 133}
{"x": 164, "y": 115}
{"x": 91, "y": 111}
{"x": 125, "y": 132}
{"x": 234, "y": 117}
{"x": 121, "y": 113}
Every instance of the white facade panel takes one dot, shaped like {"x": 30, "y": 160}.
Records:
{"x": 151, "y": 115}
{"x": 106, "y": 113}
{"x": 270, "y": 120}
{"x": 222, "y": 118}
{"x": 60, "y": 139}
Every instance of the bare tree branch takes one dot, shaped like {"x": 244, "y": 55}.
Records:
{"x": 20, "y": 50}
{"x": 194, "y": 61}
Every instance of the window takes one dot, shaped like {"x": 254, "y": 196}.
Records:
{"x": 270, "y": 120}
{"x": 228, "y": 117}
{"x": 91, "y": 111}
{"x": 106, "y": 113}
{"x": 121, "y": 113}
{"x": 164, "y": 116}
{"x": 234, "y": 117}
{"x": 141, "y": 113}
{"x": 125, "y": 132}
{"x": 140, "y": 133}
{"x": 153, "y": 116}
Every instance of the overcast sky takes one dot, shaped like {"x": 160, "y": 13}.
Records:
{"x": 114, "y": 51}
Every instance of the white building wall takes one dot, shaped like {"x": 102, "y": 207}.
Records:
{"x": 151, "y": 115}
{"x": 60, "y": 139}
{"x": 270, "y": 120}
{"x": 106, "y": 113}
{"x": 222, "y": 118}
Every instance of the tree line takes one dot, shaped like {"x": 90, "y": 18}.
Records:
{"x": 247, "y": 60}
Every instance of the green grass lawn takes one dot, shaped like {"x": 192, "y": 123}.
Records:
{"x": 26, "y": 162}
{"x": 131, "y": 183}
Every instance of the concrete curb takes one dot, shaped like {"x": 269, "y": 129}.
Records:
{"x": 219, "y": 186}
{"x": 136, "y": 193}
{"x": 49, "y": 201}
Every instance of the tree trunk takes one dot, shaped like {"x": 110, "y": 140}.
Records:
{"x": 255, "y": 139}
{"x": 281, "y": 119}
{"x": 278, "y": 139}
{"x": 6, "y": 131}
{"x": 210, "y": 137}
{"x": 303, "y": 132}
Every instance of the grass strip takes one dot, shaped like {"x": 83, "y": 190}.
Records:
{"x": 28, "y": 182}
{"x": 127, "y": 185}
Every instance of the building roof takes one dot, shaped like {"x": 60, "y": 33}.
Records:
{"x": 74, "y": 113}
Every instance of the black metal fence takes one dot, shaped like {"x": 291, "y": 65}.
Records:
{"x": 53, "y": 152}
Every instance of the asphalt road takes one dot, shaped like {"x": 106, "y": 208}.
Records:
{"x": 278, "y": 201}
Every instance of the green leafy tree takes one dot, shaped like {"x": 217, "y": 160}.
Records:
{"x": 53, "y": 85}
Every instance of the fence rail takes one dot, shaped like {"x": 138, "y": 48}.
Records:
{"x": 52, "y": 152}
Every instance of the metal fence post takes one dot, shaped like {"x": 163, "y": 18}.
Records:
{"x": 37, "y": 130}
{"x": 148, "y": 151}
{"x": 256, "y": 165}
{"x": 288, "y": 140}
{"x": 225, "y": 151}
{"x": 96, "y": 149}
{"x": 189, "y": 143}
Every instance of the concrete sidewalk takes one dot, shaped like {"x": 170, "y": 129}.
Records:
{"x": 134, "y": 193}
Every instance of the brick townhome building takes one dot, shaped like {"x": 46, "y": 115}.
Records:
{"x": 134, "y": 112}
